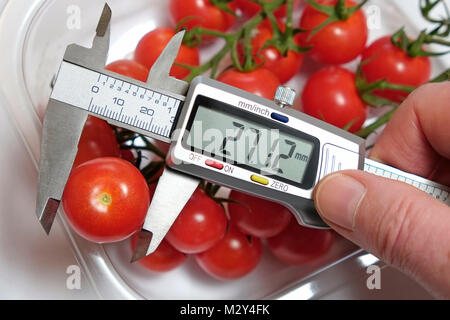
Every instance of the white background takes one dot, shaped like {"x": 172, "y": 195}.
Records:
{"x": 33, "y": 265}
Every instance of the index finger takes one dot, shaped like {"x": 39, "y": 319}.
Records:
{"x": 417, "y": 138}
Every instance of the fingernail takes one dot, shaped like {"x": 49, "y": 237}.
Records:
{"x": 337, "y": 198}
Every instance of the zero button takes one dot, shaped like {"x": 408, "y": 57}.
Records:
{"x": 259, "y": 179}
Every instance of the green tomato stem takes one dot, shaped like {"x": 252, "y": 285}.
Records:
{"x": 364, "y": 133}
{"x": 231, "y": 41}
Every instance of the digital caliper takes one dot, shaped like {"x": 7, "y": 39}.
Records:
{"x": 217, "y": 132}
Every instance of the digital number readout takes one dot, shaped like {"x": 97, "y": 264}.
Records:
{"x": 232, "y": 138}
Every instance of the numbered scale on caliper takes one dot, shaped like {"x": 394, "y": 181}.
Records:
{"x": 284, "y": 169}
{"x": 116, "y": 99}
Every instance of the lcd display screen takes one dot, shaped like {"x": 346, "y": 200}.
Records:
{"x": 235, "y": 137}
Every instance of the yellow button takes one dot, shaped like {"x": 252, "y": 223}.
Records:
{"x": 259, "y": 179}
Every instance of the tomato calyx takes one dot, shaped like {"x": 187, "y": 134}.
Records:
{"x": 194, "y": 36}
{"x": 211, "y": 191}
{"x": 338, "y": 12}
{"x": 438, "y": 35}
{"x": 365, "y": 89}
{"x": 150, "y": 171}
{"x": 282, "y": 40}
{"x": 223, "y": 5}
{"x": 414, "y": 48}
{"x": 127, "y": 140}
{"x": 105, "y": 199}
{"x": 136, "y": 142}
{"x": 443, "y": 24}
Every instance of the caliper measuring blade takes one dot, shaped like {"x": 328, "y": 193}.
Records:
{"x": 61, "y": 132}
{"x": 172, "y": 193}
{"x": 159, "y": 73}
{"x": 62, "y": 128}
{"x": 96, "y": 56}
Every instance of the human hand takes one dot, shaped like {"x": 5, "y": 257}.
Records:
{"x": 398, "y": 223}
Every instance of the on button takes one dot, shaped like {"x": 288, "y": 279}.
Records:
{"x": 214, "y": 164}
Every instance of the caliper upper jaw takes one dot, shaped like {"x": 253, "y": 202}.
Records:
{"x": 159, "y": 75}
{"x": 164, "y": 209}
{"x": 62, "y": 128}
{"x": 173, "y": 191}
{"x": 96, "y": 56}
{"x": 61, "y": 132}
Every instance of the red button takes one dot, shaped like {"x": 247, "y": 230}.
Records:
{"x": 214, "y": 164}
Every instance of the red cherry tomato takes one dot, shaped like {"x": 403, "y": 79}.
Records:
{"x": 129, "y": 68}
{"x": 261, "y": 81}
{"x": 257, "y": 217}
{"x": 250, "y": 8}
{"x": 154, "y": 42}
{"x": 298, "y": 245}
{"x": 200, "y": 225}
{"x": 106, "y": 199}
{"x": 387, "y": 61}
{"x": 233, "y": 257}
{"x": 330, "y": 94}
{"x": 284, "y": 67}
{"x": 338, "y": 42}
{"x": 164, "y": 259}
{"x": 201, "y": 13}
{"x": 97, "y": 140}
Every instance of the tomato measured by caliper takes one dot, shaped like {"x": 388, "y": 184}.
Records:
{"x": 233, "y": 257}
{"x": 330, "y": 94}
{"x": 164, "y": 259}
{"x": 383, "y": 60}
{"x": 257, "y": 217}
{"x": 129, "y": 68}
{"x": 261, "y": 81}
{"x": 338, "y": 42}
{"x": 297, "y": 245}
{"x": 199, "y": 226}
{"x": 153, "y": 43}
{"x": 106, "y": 199}
{"x": 97, "y": 140}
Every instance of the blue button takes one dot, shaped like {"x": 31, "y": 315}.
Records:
{"x": 279, "y": 117}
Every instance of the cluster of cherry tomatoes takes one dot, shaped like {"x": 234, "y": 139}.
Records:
{"x": 335, "y": 32}
{"x": 106, "y": 197}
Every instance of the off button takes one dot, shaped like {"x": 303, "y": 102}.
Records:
{"x": 259, "y": 179}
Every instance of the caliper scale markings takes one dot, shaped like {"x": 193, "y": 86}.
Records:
{"x": 116, "y": 99}
{"x": 434, "y": 189}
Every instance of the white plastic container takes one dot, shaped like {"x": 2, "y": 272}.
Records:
{"x": 33, "y": 38}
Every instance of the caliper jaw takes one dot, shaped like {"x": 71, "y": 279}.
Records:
{"x": 63, "y": 124}
{"x": 62, "y": 128}
{"x": 96, "y": 56}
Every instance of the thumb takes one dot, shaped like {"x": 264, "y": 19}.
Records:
{"x": 403, "y": 226}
